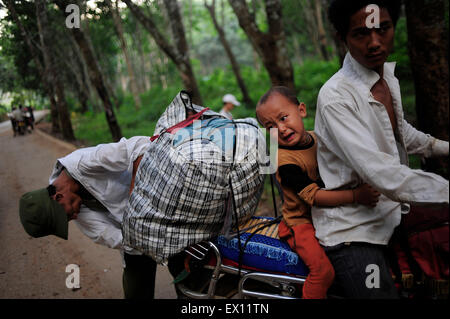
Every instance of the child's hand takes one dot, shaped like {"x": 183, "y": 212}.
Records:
{"x": 366, "y": 195}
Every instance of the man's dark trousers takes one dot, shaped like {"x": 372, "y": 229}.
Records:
{"x": 362, "y": 271}
{"x": 139, "y": 277}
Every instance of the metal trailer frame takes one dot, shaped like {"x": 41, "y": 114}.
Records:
{"x": 284, "y": 283}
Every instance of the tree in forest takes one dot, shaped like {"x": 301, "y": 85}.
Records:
{"x": 52, "y": 71}
{"x": 36, "y": 56}
{"x": 95, "y": 73}
{"x": 270, "y": 45}
{"x": 318, "y": 13}
{"x": 178, "y": 52}
{"x": 428, "y": 48}
{"x": 75, "y": 70}
{"x": 312, "y": 12}
{"x": 141, "y": 42}
{"x": 120, "y": 34}
{"x": 234, "y": 64}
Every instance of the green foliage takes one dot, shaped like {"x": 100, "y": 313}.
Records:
{"x": 92, "y": 127}
{"x": 3, "y": 113}
{"x": 310, "y": 77}
{"x": 18, "y": 70}
{"x": 211, "y": 66}
{"x": 100, "y": 29}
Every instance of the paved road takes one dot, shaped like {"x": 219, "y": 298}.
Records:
{"x": 36, "y": 267}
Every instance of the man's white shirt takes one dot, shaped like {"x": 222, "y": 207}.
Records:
{"x": 357, "y": 144}
{"x": 105, "y": 171}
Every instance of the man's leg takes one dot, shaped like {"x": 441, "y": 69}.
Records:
{"x": 139, "y": 277}
{"x": 362, "y": 271}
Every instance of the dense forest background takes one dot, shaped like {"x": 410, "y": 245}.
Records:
{"x": 115, "y": 75}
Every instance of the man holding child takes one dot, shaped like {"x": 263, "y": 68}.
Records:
{"x": 363, "y": 136}
{"x": 360, "y": 147}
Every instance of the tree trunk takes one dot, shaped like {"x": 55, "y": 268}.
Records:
{"x": 71, "y": 60}
{"x": 52, "y": 71}
{"x": 321, "y": 30}
{"x": 308, "y": 12}
{"x": 190, "y": 20}
{"x": 297, "y": 50}
{"x": 145, "y": 64}
{"x": 340, "y": 49}
{"x": 176, "y": 24}
{"x": 119, "y": 30}
{"x": 234, "y": 64}
{"x": 56, "y": 127}
{"x": 270, "y": 46}
{"x": 178, "y": 54}
{"x": 98, "y": 82}
{"x": 84, "y": 75}
{"x": 95, "y": 75}
{"x": 428, "y": 48}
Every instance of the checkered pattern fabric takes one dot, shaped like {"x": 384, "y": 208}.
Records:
{"x": 180, "y": 192}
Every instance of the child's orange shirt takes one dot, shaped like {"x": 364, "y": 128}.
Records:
{"x": 298, "y": 175}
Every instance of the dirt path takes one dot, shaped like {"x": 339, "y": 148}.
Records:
{"x": 35, "y": 268}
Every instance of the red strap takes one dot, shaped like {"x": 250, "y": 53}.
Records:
{"x": 182, "y": 124}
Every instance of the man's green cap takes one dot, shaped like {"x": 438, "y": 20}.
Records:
{"x": 41, "y": 216}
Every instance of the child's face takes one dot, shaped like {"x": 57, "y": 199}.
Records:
{"x": 278, "y": 112}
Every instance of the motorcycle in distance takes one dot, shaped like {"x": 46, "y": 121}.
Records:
{"x": 25, "y": 125}
{"x": 21, "y": 127}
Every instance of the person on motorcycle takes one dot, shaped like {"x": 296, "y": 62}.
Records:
{"x": 13, "y": 120}
{"x": 18, "y": 113}
{"x": 29, "y": 118}
{"x": 91, "y": 186}
{"x": 363, "y": 136}
{"x": 19, "y": 117}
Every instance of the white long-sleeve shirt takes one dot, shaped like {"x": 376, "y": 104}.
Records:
{"x": 226, "y": 114}
{"x": 105, "y": 171}
{"x": 357, "y": 144}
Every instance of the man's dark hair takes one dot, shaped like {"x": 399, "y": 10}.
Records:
{"x": 340, "y": 12}
{"x": 282, "y": 90}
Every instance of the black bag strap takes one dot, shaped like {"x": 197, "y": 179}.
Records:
{"x": 187, "y": 104}
{"x": 277, "y": 184}
{"x": 231, "y": 204}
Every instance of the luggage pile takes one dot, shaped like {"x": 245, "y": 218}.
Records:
{"x": 199, "y": 171}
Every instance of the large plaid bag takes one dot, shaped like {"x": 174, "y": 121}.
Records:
{"x": 191, "y": 180}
